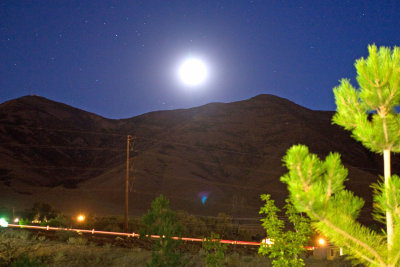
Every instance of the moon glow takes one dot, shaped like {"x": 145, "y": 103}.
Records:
{"x": 192, "y": 72}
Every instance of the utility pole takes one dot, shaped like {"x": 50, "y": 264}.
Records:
{"x": 130, "y": 141}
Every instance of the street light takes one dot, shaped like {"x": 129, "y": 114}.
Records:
{"x": 80, "y": 218}
{"x": 321, "y": 241}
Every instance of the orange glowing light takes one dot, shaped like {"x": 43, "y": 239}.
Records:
{"x": 321, "y": 241}
{"x": 81, "y": 218}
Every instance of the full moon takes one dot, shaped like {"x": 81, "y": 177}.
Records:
{"x": 193, "y": 72}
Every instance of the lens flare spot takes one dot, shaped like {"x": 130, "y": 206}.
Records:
{"x": 203, "y": 196}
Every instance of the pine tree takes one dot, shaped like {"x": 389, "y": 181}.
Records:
{"x": 316, "y": 187}
{"x": 379, "y": 94}
{"x": 162, "y": 221}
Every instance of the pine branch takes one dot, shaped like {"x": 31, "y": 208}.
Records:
{"x": 326, "y": 201}
{"x": 354, "y": 240}
{"x": 316, "y": 187}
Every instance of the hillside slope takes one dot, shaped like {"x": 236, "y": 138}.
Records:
{"x": 229, "y": 152}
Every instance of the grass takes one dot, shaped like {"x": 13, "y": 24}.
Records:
{"x": 22, "y": 247}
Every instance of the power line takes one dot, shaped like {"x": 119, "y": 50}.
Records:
{"x": 113, "y": 149}
{"x": 63, "y": 130}
{"x": 203, "y": 181}
{"x": 209, "y": 182}
{"x": 119, "y": 134}
{"x": 138, "y": 170}
{"x": 63, "y": 147}
{"x": 49, "y": 167}
{"x": 155, "y": 193}
{"x": 205, "y": 162}
{"x": 204, "y": 147}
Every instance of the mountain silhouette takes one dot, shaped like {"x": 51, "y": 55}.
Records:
{"x": 214, "y": 158}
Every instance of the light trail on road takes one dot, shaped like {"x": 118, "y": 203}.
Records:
{"x": 93, "y": 231}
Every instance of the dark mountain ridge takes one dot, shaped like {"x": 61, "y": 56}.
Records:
{"x": 230, "y": 152}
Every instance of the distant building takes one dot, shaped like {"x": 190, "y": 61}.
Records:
{"x": 329, "y": 252}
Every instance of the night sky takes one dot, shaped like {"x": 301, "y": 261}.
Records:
{"x": 119, "y": 59}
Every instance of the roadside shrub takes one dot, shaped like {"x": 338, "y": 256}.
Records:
{"x": 215, "y": 250}
{"x": 26, "y": 262}
{"x": 23, "y": 221}
{"x": 192, "y": 225}
{"x": 59, "y": 221}
{"x": 65, "y": 235}
{"x": 16, "y": 233}
{"x": 80, "y": 241}
{"x": 112, "y": 224}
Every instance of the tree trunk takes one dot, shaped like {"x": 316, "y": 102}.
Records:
{"x": 389, "y": 218}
